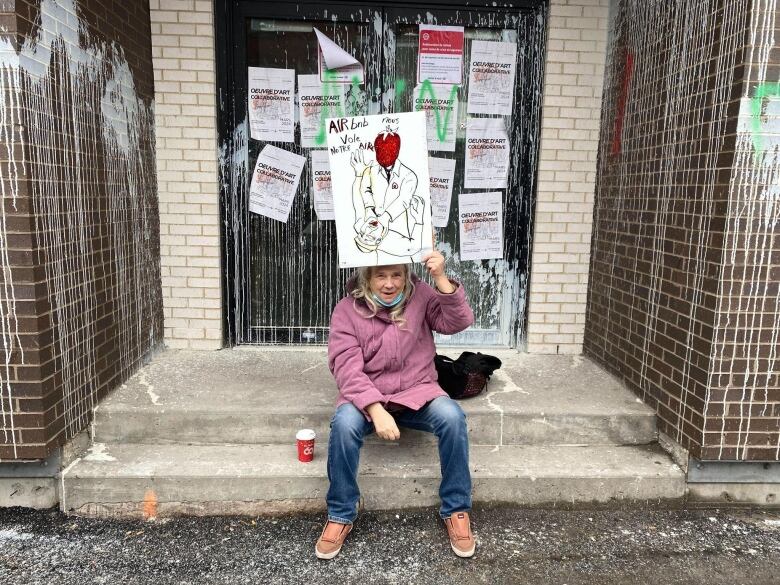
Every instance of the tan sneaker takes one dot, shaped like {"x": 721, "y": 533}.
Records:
{"x": 331, "y": 539}
{"x": 461, "y": 538}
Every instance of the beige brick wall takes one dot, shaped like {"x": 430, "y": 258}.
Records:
{"x": 576, "y": 52}
{"x": 185, "y": 115}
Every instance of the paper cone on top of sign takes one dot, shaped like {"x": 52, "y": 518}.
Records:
{"x": 335, "y": 57}
{"x": 336, "y": 64}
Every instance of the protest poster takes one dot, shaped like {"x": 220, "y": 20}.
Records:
{"x": 381, "y": 188}
{"x": 272, "y": 104}
{"x": 481, "y": 226}
{"x": 442, "y": 171}
{"x": 440, "y": 104}
{"x": 316, "y": 103}
{"x": 321, "y": 185}
{"x": 274, "y": 182}
{"x": 487, "y": 154}
{"x": 492, "y": 78}
{"x": 440, "y": 54}
{"x": 336, "y": 64}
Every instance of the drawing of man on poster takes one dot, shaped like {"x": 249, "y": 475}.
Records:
{"x": 388, "y": 211}
{"x": 381, "y": 188}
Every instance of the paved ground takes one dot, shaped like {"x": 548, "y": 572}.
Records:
{"x": 515, "y": 546}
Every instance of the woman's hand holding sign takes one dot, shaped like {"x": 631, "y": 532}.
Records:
{"x": 434, "y": 263}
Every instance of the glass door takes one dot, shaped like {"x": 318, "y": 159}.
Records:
{"x": 496, "y": 288}
{"x": 291, "y": 278}
{"x": 283, "y": 278}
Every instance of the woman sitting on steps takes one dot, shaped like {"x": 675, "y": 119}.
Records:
{"x": 381, "y": 354}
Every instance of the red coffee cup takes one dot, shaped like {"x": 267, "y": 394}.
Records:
{"x": 305, "y": 439}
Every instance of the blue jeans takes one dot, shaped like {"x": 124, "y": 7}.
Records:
{"x": 441, "y": 416}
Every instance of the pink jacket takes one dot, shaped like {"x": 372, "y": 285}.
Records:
{"x": 373, "y": 360}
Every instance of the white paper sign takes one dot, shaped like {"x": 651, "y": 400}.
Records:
{"x": 487, "y": 154}
{"x": 321, "y": 185}
{"x": 381, "y": 188}
{"x": 481, "y": 226}
{"x": 272, "y": 104}
{"x": 440, "y": 104}
{"x": 442, "y": 172}
{"x": 275, "y": 182}
{"x": 440, "y": 54}
{"x": 335, "y": 64}
{"x": 492, "y": 77}
{"x": 315, "y": 107}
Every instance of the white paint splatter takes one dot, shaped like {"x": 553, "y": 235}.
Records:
{"x": 509, "y": 388}
{"x": 67, "y": 86}
{"x": 497, "y": 289}
{"x": 148, "y": 386}
{"x": 310, "y": 368}
{"x": 751, "y": 250}
{"x": 703, "y": 42}
{"x": 11, "y": 534}
{"x": 11, "y": 135}
{"x": 98, "y": 452}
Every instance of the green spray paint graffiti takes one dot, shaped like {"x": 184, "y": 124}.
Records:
{"x": 442, "y": 120}
{"x": 330, "y": 87}
{"x": 352, "y": 107}
{"x": 763, "y": 91}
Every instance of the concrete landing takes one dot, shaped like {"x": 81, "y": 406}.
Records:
{"x": 130, "y": 480}
{"x": 213, "y": 433}
{"x": 249, "y": 396}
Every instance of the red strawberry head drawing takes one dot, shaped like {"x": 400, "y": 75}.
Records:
{"x": 387, "y": 145}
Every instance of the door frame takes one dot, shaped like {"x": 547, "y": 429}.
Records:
{"x": 229, "y": 38}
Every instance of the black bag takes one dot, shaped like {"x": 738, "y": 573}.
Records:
{"x": 466, "y": 376}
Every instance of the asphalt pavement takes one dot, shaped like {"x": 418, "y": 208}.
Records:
{"x": 569, "y": 547}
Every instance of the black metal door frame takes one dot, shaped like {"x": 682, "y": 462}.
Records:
{"x": 231, "y": 82}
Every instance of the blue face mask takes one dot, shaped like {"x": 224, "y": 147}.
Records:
{"x": 392, "y": 303}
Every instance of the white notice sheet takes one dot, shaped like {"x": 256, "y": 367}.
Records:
{"x": 272, "y": 104}
{"x": 274, "y": 182}
{"x": 440, "y": 104}
{"x": 442, "y": 171}
{"x": 321, "y": 185}
{"x": 481, "y": 226}
{"x": 315, "y": 107}
{"x": 492, "y": 77}
{"x": 487, "y": 154}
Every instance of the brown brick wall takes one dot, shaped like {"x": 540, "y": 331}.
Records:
{"x": 669, "y": 155}
{"x": 742, "y": 414}
{"x": 79, "y": 263}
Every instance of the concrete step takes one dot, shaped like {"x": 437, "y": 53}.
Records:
{"x": 134, "y": 479}
{"x": 250, "y": 396}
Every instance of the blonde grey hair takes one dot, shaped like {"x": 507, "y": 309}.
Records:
{"x": 362, "y": 290}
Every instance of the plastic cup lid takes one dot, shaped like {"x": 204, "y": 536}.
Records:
{"x": 305, "y": 435}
